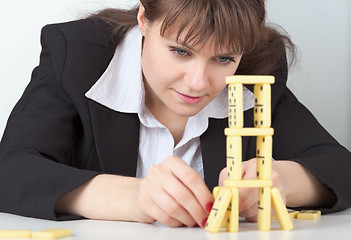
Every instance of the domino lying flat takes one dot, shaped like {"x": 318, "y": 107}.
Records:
{"x": 48, "y": 234}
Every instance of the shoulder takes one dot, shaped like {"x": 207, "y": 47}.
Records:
{"x": 82, "y": 41}
{"x": 85, "y": 31}
{"x": 78, "y": 51}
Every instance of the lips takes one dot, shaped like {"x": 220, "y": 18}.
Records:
{"x": 190, "y": 99}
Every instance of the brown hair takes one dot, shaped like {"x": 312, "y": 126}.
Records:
{"x": 236, "y": 24}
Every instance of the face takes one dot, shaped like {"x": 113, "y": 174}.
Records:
{"x": 180, "y": 80}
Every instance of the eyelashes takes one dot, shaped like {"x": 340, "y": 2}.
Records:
{"x": 184, "y": 53}
{"x": 178, "y": 51}
{"x": 226, "y": 59}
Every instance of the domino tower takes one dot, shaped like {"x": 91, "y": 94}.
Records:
{"x": 225, "y": 210}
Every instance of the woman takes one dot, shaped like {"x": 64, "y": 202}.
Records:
{"x": 124, "y": 118}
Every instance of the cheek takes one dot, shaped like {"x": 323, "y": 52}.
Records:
{"x": 218, "y": 81}
{"x": 157, "y": 72}
{"x": 151, "y": 64}
{"x": 220, "y": 75}
{"x": 158, "y": 68}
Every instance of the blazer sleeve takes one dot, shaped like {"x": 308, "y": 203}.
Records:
{"x": 37, "y": 164}
{"x": 299, "y": 137}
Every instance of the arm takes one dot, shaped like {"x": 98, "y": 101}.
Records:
{"x": 172, "y": 193}
{"x": 301, "y": 188}
{"x": 39, "y": 142}
{"x": 105, "y": 197}
{"x": 300, "y": 138}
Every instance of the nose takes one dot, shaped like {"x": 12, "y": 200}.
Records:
{"x": 197, "y": 77}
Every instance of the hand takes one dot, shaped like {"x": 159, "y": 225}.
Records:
{"x": 248, "y": 197}
{"x": 174, "y": 194}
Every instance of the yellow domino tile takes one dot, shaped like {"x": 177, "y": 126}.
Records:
{"x": 262, "y": 117}
{"x": 52, "y": 233}
{"x": 262, "y": 94}
{"x": 264, "y": 157}
{"x": 218, "y": 211}
{"x": 250, "y": 79}
{"x": 215, "y": 192}
{"x": 262, "y": 109}
{"x": 249, "y": 131}
{"x": 16, "y": 233}
{"x": 235, "y": 106}
{"x": 309, "y": 214}
{"x": 264, "y": 209}
{"x": 233, "y": 223}
{"x": 248, "y": 183}
{"x": 226, "y": 219}
{"x": 234, "y": 157}
{"x": 292, "y": 214}
{"x": 280, "y": 210}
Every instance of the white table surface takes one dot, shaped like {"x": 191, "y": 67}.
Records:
{"x": 334, "y": 226}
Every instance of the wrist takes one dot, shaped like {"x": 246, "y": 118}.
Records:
{"x": 302, "y": 188}
{"x": 286, "y": 171}
{"x": 107, "y": 197}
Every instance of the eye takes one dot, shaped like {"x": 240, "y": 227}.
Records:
{"x": 179, "y": 51}
{"x": 225, "y": 60}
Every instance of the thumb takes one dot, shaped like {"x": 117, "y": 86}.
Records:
{"x": 223, "y": 175}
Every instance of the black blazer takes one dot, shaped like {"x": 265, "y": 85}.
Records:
{"x": 57, "y": 139}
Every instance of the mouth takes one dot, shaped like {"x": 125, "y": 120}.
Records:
{"x": 190, "y": 99}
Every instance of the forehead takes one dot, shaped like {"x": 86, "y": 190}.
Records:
{"x": 191, "y": 36}
{"x": 228, "y": 24}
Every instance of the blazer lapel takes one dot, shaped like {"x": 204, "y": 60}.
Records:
{"x": 213, "y": 149}
{"x": 116, "y": 139}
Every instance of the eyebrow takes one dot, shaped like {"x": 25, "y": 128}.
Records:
{"x": 183, "y": 43}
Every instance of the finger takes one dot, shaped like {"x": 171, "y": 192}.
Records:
{"x": 149, "y": 188}
{"x": 223, "y": 175}
{"x": 276, "y": 181}
{"x": 154, "y": 187}
{"x": 252, "y": 219}
{"x": 192, "y": 180}
{"x": 249, "y": 169}
{"x": 156, "y": 212}
{"x": 247, "y": 198}
{"x": 167, "y": 200}
{"x": 186, "y": 198}
{"x": 250, "y": 213}
{"x": 189, "y": 190}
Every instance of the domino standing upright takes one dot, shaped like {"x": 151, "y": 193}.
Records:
{"x": 225, "y": 211}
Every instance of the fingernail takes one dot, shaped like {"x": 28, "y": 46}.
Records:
{"x": 204, "y": 223}
{"x": 209, "y": 207}
{"x": 196, "y": 225}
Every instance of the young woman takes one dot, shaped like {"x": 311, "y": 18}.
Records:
{"x": 124, "y": 118}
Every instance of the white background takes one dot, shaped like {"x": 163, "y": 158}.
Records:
{"x": 320, "y": 28}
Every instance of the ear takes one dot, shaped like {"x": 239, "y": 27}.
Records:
{"x": 142, "y": 22}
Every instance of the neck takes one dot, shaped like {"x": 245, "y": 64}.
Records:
{"x": 174, "y": 123}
